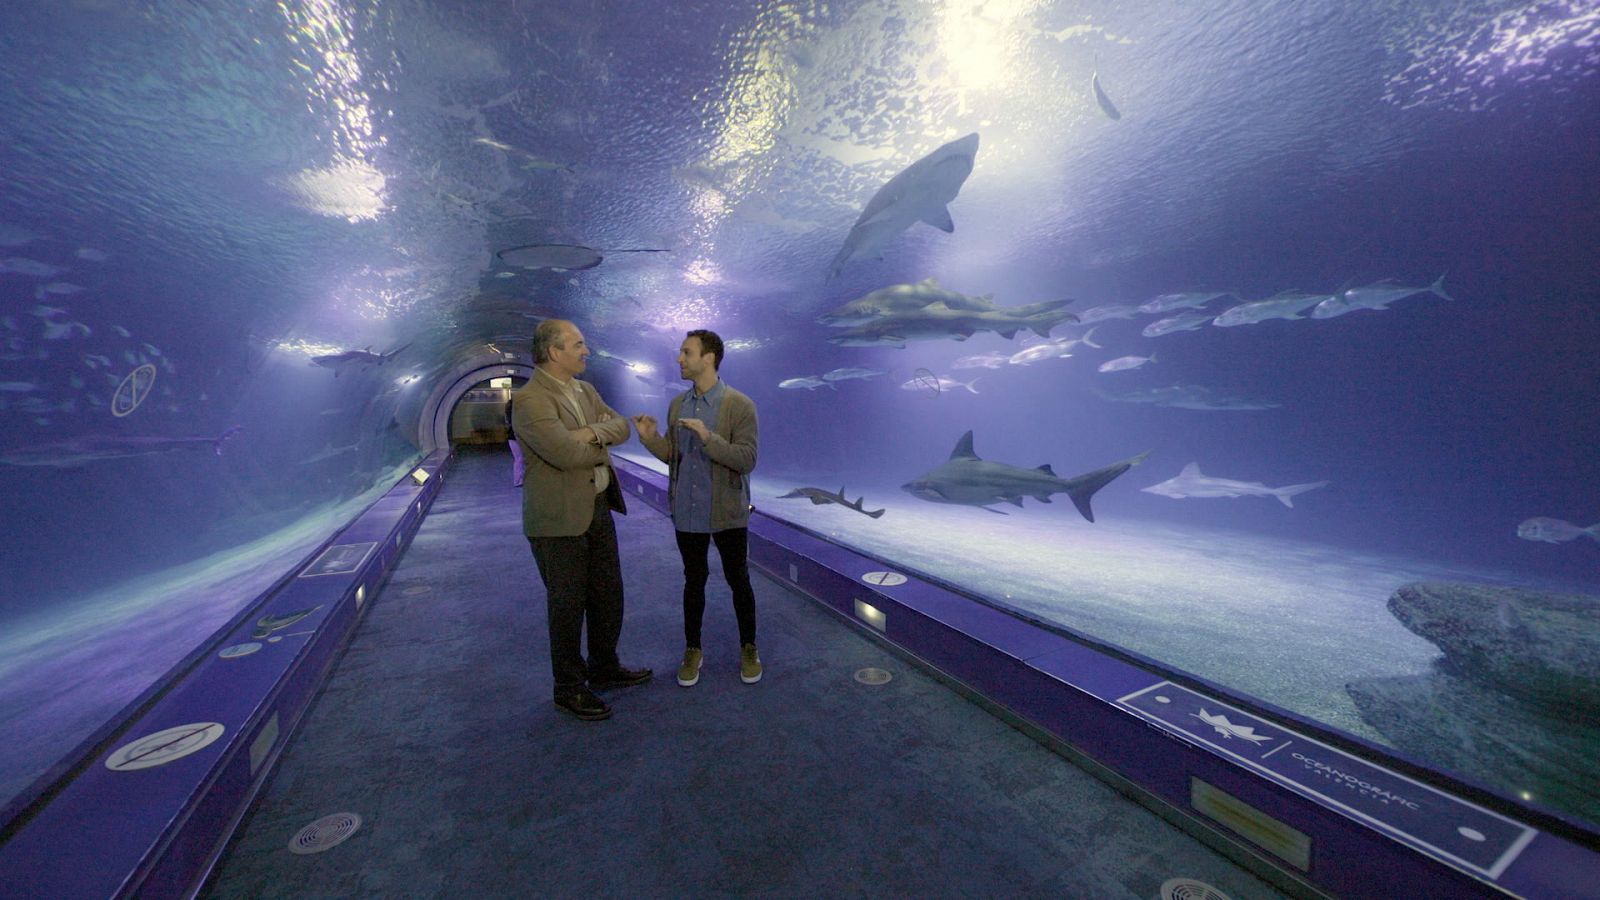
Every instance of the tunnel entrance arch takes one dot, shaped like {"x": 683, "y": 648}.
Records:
{"x": 433, "y": 424}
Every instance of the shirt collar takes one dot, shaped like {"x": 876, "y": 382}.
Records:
{"x": 714, "y": 394}
{"x": 567, "y": 385}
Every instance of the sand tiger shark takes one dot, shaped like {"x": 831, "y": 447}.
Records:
{"x": 920, "y": 193}
{"x": 969, "y": 481}
{"x": 338, "y": 362}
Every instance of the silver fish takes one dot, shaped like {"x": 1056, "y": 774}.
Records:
{"x": 1554, "y": 531}
{"x": 1374, "y": 296}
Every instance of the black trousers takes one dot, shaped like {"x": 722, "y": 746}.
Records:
{"x": 733, "y": 547}
{"x": 582, "y": 580}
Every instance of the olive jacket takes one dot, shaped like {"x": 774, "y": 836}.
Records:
{"x": 732, "y": 449}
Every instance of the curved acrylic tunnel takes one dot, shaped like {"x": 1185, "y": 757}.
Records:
{"x": 1203, "y": 394}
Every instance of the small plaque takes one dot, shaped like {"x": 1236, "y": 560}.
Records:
{"x": 340, "y": 559}
{"x": 1418, "y": 815}
{"x": 165, "y": 746}
{"x": 883, "y": 579}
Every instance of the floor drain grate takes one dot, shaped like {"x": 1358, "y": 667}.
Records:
{"x": 871, "y": 675}
{"x": 326, "y": 832}
{"x": 1189, "y": 889}
{"x": 416, "y": 589}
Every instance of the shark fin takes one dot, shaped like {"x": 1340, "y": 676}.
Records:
{"x": 1047, "y": 470}
{"x": 1041, "y": 330}
{"x": 1008, "y": 335}
{"x": 1015, "y": 501}
{"x": 963, "y": 448}
{"x": 1043, "y": 498}
{"x": 1083, "y": 487}
{"x": 939, "y": 217}
{"x": 1284, "y": 493}
{"x": 1191, "y": 469}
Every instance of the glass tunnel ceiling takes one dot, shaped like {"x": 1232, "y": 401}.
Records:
{"x": 296, "y": 218}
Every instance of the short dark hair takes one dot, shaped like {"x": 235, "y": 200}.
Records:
{"x": 709, "y": 343}
{"x": 546, "y": 335}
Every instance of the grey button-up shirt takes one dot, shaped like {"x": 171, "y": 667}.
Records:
{"x": 691, "y": 505}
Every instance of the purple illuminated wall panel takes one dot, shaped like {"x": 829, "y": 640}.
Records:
{"x": 153, "y": 811}
{"x": 1364, "y": 828}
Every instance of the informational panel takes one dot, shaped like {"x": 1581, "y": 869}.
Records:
{"x": 340, "y": 559}
{"x": 1445, "y": 827}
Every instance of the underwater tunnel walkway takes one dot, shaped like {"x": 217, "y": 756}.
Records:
{"x": 437, "y": 730}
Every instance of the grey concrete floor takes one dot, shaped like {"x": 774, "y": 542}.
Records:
{"x": 437, "y": 728}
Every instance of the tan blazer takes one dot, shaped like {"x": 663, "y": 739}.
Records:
{"x": 558, "y": 467}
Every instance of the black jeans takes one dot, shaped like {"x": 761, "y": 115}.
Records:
{"x": 732, "y": 546}
{"x": 582, "y": 580}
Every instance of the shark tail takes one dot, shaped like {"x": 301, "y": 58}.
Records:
{"x": 878, "y": 514}
{"x": 1438, "y": 288}
{"x": 223, "y": 438}
{"x": 1088, "y": 334}
{"x": 1593, "y": 531}
{"x": 1284, "y": 493}
{"x": 1083, "y": 487}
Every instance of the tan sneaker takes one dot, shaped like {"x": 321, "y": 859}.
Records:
{"x": 749, "y": 664}
{"x": 689, "y": 670}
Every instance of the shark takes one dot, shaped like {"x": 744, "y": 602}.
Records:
{"x": 920, "y": 193}
{"x": 901, "y": 298}
{"x": 78, "y": 452}
{"x": 1100, "y": 97}
{"x": 563, "y": 257}
{"x": 938, "y": 322}
{"x": 330, "y": 452}
{"x": 1191, "y": 483}
{"x": 967, "y": 480}
{"x": 818, "y": 496}
{"x": 338, "y": 362}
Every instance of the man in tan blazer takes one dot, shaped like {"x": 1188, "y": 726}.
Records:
{"x": 568, "y": 493}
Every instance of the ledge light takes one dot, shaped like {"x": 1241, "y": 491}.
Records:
{"x": 872, "y": 615}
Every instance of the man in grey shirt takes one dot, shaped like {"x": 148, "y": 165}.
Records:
{"x": 710, "y": 450}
